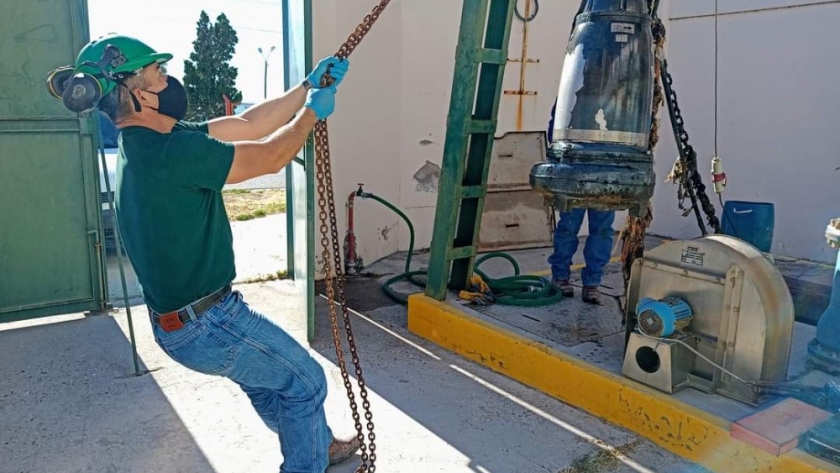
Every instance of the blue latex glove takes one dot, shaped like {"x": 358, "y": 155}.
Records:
{"x": 337, "y": 68}
{"x": 321, "y": 101}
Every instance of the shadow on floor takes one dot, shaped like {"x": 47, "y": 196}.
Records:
{"x": 70, "y": 402}
{"x": 363, "y": 293}
{"x": 495, "y": 424}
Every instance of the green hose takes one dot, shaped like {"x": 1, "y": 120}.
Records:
{"x": 408, "y": 274}
{"x": 517, "y": 290}
{"x": 522, "y": 290}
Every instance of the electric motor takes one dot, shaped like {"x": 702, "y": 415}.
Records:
{"x": 704, "y": 304}
{"x": 663, "y": 317}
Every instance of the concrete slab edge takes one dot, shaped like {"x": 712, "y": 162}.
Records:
{"x": 678, "y": 427}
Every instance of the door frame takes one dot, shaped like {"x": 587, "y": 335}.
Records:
{"x": 302, "y": 267}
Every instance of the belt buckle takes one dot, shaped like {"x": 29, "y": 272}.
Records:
{"x": 170, "y": 322}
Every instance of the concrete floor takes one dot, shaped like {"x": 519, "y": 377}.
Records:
{"x": 71, "y": 402}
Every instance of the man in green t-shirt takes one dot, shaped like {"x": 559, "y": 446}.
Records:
{"x": 170, "y": 175}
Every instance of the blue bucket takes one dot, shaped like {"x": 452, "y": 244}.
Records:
{"x": 752, "y": 222}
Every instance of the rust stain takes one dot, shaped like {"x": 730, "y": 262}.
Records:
{"x": 523, "y": 63}
{"x": 522, "y": 67}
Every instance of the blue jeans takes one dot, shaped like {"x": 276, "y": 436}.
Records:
{"x": 285, "y": 384}
{"x": 596, "y": 252}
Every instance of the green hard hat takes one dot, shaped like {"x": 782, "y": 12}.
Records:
{"x": 117, "y": 55}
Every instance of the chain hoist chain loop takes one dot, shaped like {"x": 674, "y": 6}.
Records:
{"x": 691, "y": 184}
{"x": 692, "y": 181}
{"x": 333, "y": 269}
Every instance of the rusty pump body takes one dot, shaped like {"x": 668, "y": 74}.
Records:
{"x": 600, "y": 155}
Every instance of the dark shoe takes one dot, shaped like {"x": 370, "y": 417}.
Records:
{"x": 591, "y": 295}
{"x": 565, "y": 288}
{"x": 342, "y": 450}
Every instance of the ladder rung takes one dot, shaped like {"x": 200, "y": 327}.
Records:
{"x": 471, "y": 192}
{"x": 491, "y": 56}
{"x": 461, "y": 253}
{"x": 480, "y": 126}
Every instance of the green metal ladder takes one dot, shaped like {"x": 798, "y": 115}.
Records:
{"x": 480, "y": 60}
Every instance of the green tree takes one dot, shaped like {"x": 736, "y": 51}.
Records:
{"x": 208, "y": 74}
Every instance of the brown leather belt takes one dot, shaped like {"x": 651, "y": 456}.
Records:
{"x": 175, "y": 320}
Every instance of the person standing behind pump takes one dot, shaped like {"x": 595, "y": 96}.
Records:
{"x": 597, "y": 249}
{"x": 170, "y": 176}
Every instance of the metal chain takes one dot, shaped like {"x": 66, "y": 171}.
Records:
{"x": 691, "y": 182}
{"x": 685, "y": 169}
{"x": 633, "y": 234}
{"x": 361, "y": 31}
{"x": 326, "y": 202}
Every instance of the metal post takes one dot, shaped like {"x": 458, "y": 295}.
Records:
{"x": 300, "y": 181}
{"x": 119, "y": 245}
{"x": 824, "y": 349}
{"x": 265, "y": 69}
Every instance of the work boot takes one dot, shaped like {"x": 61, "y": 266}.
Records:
{"x": 565, "y": 287}
{"x": 591, "y": 295}
{"x": 341, "y": 450}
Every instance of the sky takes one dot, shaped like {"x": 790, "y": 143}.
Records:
{"x": 170, "y": 26}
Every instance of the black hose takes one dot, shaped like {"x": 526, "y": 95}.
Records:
{"x": 726, "y": 217}
{"x": 533, "y": 15}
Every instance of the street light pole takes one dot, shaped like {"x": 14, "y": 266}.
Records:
{"x": 265, "y": 70}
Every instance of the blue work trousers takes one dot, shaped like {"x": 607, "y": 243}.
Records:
{"x": 285, "y": 384}
{"x": 596, "y": 252}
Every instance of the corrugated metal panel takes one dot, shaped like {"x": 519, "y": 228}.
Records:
{"x": 49, "y": 194}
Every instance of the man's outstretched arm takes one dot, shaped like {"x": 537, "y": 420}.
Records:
{"x": 266, "y": 117}
{"x": 259, "y": 120}
{"x": 256, "y": 158}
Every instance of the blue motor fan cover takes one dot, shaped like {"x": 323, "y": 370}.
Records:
{"x": 662, "y": 317}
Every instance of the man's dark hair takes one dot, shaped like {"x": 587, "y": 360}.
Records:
{"x": 118, "y": 104}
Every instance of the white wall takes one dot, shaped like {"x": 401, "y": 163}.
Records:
{"x": 779, "y": 105}
{"x": 365, "y": 128}
{"x": 777, "y": 93}
{"x": 406, "y": 64}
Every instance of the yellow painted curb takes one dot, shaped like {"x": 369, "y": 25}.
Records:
{"x": 680, "y": 428}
